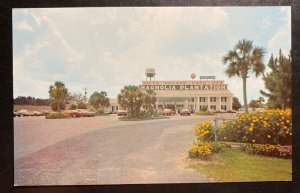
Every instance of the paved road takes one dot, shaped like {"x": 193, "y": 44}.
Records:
{"x": 103, "y": 150}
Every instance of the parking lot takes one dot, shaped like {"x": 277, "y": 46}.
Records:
{"x": 103, "y": 150}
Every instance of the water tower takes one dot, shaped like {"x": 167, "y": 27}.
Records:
{"x": 150, "y": 73}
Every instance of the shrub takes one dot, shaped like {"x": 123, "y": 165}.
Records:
{"x": 201, "y": 150}
{"x": 81, "y": 105}
{"x": 267, "y": 127}
{"x": 57, "y": 115}
{"x": 269, "y": 150}
{"x": 217, "y": 147}
{"x": 285, "y": 151}
{"x": 205, "y": 131}
{"x": 54, "y": 106}
{"x": 205, "y": 145}
{"x": 73, "y": 107}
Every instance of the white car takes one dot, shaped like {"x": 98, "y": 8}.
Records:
{"x": 86, "y": 113}
{"x": 121, "y": 112}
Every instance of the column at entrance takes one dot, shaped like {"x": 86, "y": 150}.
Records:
{"x": 219, "y": 104}
{"x": 230, "y": 103}
{"x": 208, "y": 103}
{"x": 196, "y": 104}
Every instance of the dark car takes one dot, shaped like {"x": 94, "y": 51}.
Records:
{"x": 185, "y": 112}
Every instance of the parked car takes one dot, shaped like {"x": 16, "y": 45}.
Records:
{"x": 37, "y": 113}
{"x": 86, "y": 113}
{"x": 121, "y": 112}
{"x": 185, "y": 112}
{"x": 73, "y": 113}
{"x": 168, "y": 112}
{"x": 17, "y": 114}
{"x": 25, "y": 113}
{"x": 45, "y": 112}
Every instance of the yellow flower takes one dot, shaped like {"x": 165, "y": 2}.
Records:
{"x": 250, "y": 129}
{"x": 269, "y": 136}
{"x": 287, "y": 121}
{"x": 253, "y": 140}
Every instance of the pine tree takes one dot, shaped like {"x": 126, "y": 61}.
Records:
{"x": 278, "y": 82}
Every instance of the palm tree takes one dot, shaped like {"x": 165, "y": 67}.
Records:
{"x": 241, "y": 60}
{"x": 131, "y": 98}
{"x": 149, "y": 100}
{"x": 99, "y": 100}
{"x": 58, "y": 96}
{"x": 260, "y": 101}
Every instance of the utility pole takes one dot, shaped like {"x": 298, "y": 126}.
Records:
{"x": 85, "y": 92}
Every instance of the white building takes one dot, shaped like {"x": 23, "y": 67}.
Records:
{"x": 194, "y": 94}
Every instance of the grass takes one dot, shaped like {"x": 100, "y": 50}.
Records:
{"x": 237, "y": 166}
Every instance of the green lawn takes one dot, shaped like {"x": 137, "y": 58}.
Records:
{"x": 236, "y": 166}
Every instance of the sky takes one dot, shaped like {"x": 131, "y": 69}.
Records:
{"x": 104, "y": 49}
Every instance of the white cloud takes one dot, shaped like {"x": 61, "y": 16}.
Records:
{"x": 282, "y": 38}
{"x": 24, "y": 26}
{"x": 107, "y": 48}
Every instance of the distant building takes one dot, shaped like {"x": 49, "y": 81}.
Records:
{"x": 192, "y": 94}
{"x": 204, "y": 94}
{"x": 113, "y": 106}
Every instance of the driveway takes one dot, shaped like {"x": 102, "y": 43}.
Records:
{"x": 103, "y": 150}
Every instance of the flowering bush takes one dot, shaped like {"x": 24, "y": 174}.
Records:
{"x": 204, "y": 131}
{"x": 202, "y": 150}
{"x": 57, "y": 115}
{"x": 269, "y": 150}
{"x": 267, "y": 127}
{"x": 285, "y": 151}
{"x": 205, "y": 145}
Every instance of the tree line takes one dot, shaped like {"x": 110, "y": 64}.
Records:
{"x": 22, "y": 100}
{"x": 60, "y": 96}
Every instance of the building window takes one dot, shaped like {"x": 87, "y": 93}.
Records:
{"x": 223, "y": 99}
{"x": 213, "y": 99}
{"x": 202, "y": 99}
{"x": 223, "y": 107}
{"x": 213, "y": 107}
{"x": 191, "y": 100}
{"x": 203, "y": 107}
